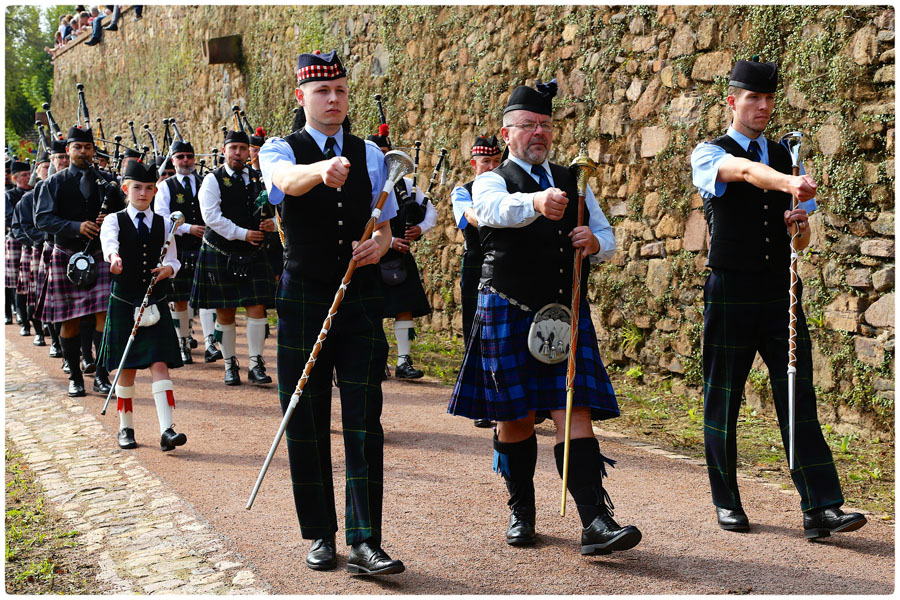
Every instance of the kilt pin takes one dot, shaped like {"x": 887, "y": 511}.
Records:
{"x": 746, "y": 313}
{"x": 356, "y": 349}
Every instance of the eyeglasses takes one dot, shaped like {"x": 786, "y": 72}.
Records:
{"x": 531, "y": 127}
{"x": 182, "y": 156}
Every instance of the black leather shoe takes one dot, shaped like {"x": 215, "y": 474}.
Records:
{"x": 822, "y": 522}
{"x": 185, "y": 351}
{"x": 111, "y": 27}
{"x": 169, "y": 439}
{"x": 521, "y": 527}
{"x": 55, "y": 350}
{"x": 76, "y": 389}
{"x": 232, "y": 374}
{"x": 405, "y": 369}
{"x": 733, "y": 519}
{"x": 212, "y": 353}
{"x": 39, "y": 340}
{"x": 257, "y": 373}
{"x": 484, "y": 423}
{"x": 88, "y": 365}
{"x": 322, "y": 555}
{"x": 8, "y": 320}
{"x": 370, "y": 559}
{"x": 126, "y": 439}
{"x": 92, "y": 42}
{"x": 102, "y": 385}
{"x": 604, "y": 536}
{"x": 25, "y": 331}
{"x": 65, "y": 367}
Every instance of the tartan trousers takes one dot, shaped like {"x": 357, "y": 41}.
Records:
{"x": 357, "y": 350}
{"x": 746, "y": 313}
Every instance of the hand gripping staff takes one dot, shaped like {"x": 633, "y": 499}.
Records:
{"x": 176, "y": 219}
{"x": 792, "y": 142}
{"x": 582, "y": 168}
{"x": 398, "y": 164}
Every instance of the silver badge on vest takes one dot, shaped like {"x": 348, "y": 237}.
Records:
{"x": 550, "y": 334}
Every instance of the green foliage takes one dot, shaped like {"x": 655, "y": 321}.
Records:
{"x": 632, "y": 336}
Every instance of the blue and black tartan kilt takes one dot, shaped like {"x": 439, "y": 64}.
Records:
{"x": 216, "y": 287}
{"x": 42, "y": 278}
{"x": 409, "y": 296}
{"x": 501, "y": 381}
{"x": 24, "y": 277}
{"x": 184, "y": 279}
{"x": 13, "y": 256}
{"x": 64, "y": 301}
{"x": 36, "y": 252}
{"x": 157, "y": 343}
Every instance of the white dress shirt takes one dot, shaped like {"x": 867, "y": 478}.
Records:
{"x": 109, "y": 236}
{"x": 211, "y": 207}
{"x": 162, "y": 201}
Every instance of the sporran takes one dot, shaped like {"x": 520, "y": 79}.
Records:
{"x": 550, "y": 334}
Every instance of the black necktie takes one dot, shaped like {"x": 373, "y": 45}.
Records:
{"x": 188, "y": 190}
{"x": 541, "y": 172}
{"x": 143, "y": 231}
{"x": 329, "y": 147}
{"x": 753, "y": 151}
{"x": 87, "y": 186}
{"x": 239, "y": 179}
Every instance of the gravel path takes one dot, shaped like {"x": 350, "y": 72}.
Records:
{"x": 445, "y": 511}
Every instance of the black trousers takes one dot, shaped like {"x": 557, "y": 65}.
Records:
{"x": 356, "y": 349}
{"x": 746, "y": 313}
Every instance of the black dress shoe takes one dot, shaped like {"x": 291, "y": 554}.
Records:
{"x": 55, "y": 350}
{"x": 232, "y": 374}
{"x": 822, "y": 522}
{"x": 92, "y": 42}
{"x": 370, "y": 559}
{"x": 484, "y": 423}
{"x": 111, "y": 27}
{"x": 8, "y": 320}
{"x": 405, "y": 369}
{"x": 186, "y": 357}
{"x": 192, "y": 342}
{"x": 604, "y": 536}
{"x": 212, "y": 353}
{"x": 76, "y": 389}
{"x": 257, "y": 373}
{"x": 169, "y": 439}
{"x": 25, "y": 331}
{"x": 88, "y": 365}
{"x": 65, "y": 367}
{"x": 733, "y": 519}
{"x": 322, "y": 555}
{"x": 521, "y": 527}
{"x": 102, "y": 385}
{"x": 39, "y": 340}
{"x": 126, "y": 439}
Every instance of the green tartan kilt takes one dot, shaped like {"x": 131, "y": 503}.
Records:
{"x": 216, "y": 287}
{"x": 157, "y": 343}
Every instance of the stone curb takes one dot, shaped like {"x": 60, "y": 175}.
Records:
{"x": 145, "y": 538}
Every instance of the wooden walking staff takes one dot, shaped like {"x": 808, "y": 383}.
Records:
{"x": 398, "y": 164}
{"x": 792, "y": 142}
{"x": 582, "y": 168}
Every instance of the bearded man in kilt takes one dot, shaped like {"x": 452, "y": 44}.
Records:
{"x": 70, "y": 207}
{"x": 132, "y": 241}
{"x": 232, "y": 268}
{"x": 329, "y": 182}
{"x": 180, "y": 192}
{"x": 21, "y": 173}
{"x": 526, "y": 211}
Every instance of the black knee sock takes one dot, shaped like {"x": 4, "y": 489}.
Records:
{"x": 101, "y": 373}
{"x": 72, "y": 353}
{"x": 86, "y": 338}
{"x": 10, "y": 302}
{"x": 22, "y": 309}
{"x": 38, "y": 326}
{"x": 586, "y": 470}
{"x": 516, "y": 462}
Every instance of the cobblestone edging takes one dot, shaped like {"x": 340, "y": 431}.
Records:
{"x": 144, "y": 537}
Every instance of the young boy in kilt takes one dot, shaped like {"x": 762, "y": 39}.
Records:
{"x": 132, "y": 240}
{"x": 526, "y": 210}
{"x": 232, "y": 268}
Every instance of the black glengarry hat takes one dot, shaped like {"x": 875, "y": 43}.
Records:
{"x": 538, "y": 99}
{"x": 761, "y": 77}
{"x": 486, "y": 146}
{"x": 236, "y": 137}
{"x": 19, "y": 167}
{"x": 319, "y": 67}
{"x": 159, "y": 161}
{"x": 258, "y": 138}
{"x": 381, "y": 140}
{"x": 77, "y": 134}
{"x": 131, "y": 153}
{"x": 182, "y": 146}
{"x": 140, "y": 172}
{"x": 57, "y": 147}
{"x": 44, "y": 157}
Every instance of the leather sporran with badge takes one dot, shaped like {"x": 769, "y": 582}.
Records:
{"x": 549, "y": 336}
{"x": 239, "y": 264}
{"x": 82, "y": 270}
{"x": 393, "y": 270}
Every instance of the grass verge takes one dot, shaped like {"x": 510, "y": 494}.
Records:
{"x": 42, "y": 555}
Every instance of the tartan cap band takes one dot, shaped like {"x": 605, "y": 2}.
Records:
{"x": 485, "y": 150}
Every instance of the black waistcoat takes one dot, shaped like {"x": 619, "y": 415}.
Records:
{"x": 139, "y": 256}
{"x": 71, "y": 205}
{"x": 320, "y": 226}
{"x": 12, "y": 198}
{"x": 533, "y": 264}
{"x": 178, "y": 200}
{"x": 746, "y": 224}
{"x": 472, "y": 247}
{"x": 409, "y": 211}
{"x": 238, "y": 206}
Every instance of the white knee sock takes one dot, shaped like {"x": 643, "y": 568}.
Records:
{"x": 124, "y": 397}
{"x": 401, "y": 332}
{"x": 229, "y": 336}
{"x": 208, "y": 323}
{"x": 164, "y": 396}
{"x": 182, "y": 323}
{"x": 256, "y": 338}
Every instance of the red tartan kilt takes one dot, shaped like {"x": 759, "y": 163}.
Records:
{"x": 24, "y": 275}
{"x": 13, "y": 255}
{"x": 64, "y": 301}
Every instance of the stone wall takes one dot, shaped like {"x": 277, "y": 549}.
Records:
{"x": 639, "y": 88}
